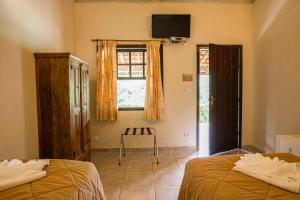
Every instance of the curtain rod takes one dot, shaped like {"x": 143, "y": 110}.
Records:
{"x": 97, "y": 40}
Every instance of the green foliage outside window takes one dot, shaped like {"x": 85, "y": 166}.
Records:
{"x": 204, "y": 114}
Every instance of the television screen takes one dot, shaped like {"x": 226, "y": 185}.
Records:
{"x": 165, "y": 26}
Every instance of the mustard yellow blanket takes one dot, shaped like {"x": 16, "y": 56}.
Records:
{"x": 65, "y": 179}
{"x": 213, "y": 178}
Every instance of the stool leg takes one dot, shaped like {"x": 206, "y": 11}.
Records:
{"x": 156, "y": 149}
{"x": 120, "y": 156}
{"x": 154, "y": 145}
{"x": 123, "y": 145}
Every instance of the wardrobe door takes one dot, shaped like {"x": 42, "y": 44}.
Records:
{"x": 85, "y": 107}
{"x": 76, "y": 111}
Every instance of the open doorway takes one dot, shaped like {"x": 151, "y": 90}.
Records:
{"x": 203, "y": 99}
{"x": 219, "y": 98}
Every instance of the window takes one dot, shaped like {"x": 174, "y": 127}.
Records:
{"x": 131, "y": 75}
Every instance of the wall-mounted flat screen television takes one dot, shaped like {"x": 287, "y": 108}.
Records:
{"x": 165, "y": 26}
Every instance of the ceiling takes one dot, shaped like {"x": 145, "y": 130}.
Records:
{"x": 149, "y": 1}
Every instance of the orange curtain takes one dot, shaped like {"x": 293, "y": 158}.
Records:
{"x": 106, "y": 82}
{"x": 154, "y": 100}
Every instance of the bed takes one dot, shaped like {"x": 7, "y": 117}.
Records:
{"x": 65, "y": 179}
{"x": 212, "y": 178}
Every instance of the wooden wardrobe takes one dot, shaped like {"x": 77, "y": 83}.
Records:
{"x": 62, "y": 85}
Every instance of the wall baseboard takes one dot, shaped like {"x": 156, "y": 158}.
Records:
{"x": 187, "y": 148}
{"x": 249, "y": 148}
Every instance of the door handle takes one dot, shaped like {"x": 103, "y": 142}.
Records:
{"x": 212, "y": 100}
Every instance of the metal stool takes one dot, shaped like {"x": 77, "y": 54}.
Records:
{"x": 138, "y": 131}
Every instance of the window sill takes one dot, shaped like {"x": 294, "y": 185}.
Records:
{"x": 130, "y": 109}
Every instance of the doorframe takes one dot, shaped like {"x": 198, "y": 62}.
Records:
{"x": 198, "y": 46}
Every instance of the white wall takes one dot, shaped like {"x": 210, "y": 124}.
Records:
{"x": 211, "y": 23}
{"x": 27, "y": 27}
{"x": 277, "y": 70}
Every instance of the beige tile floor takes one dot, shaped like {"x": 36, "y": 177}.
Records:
{"x": 139, "y": 177}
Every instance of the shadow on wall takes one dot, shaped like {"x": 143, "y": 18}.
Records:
{"x": 18, "y": 102}
{"x": 37, "y": 26}
{"x": 29, "y": 104}
{"x": 277, "y": 73}
{"x": 270, "y": 16}
{"x": 276, "y": 13}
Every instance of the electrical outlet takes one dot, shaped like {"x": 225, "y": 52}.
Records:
{"x": 186, "y": 134}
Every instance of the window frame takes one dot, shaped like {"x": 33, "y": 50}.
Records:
{"x": 130, "y": 49}
{"x": 136, "y": 48}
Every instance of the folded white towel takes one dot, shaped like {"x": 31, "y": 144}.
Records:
{"x": 273, "y": 171}
{"x": 14, "y": 173}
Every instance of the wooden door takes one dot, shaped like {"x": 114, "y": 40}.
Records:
{"x": 85, "y": 106}
{"x": 225, "y": 63}
{"x": 76, "y": 109}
